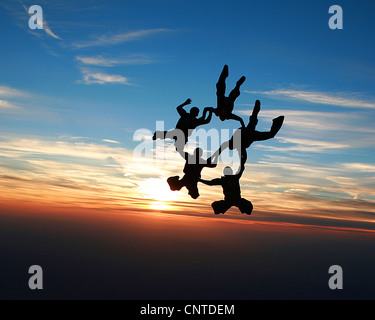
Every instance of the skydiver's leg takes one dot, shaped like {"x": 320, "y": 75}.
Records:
{"x": 236, "y": 141}
{"x": 245, "y": 206}
{"x": 276, "y": 125}
{"x": 193, "y": 190}
{"x": 262, "y": 136}
{"x": 256, "y": 108}
{"x": 254, "y": 116}
{"x": 220, "y": 85}
{"x": 235, "y": 93}
{"x": 221, "y": 206}
{"x": 220, "y": 90}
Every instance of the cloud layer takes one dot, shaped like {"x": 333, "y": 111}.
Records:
{"x": 95, "y": 174}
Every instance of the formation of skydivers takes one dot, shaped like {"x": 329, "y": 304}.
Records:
{"x": 240, "y": 141}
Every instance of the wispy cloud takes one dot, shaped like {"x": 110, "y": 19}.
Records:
{"x": 306, "y": 146}
{"x": 322, "y": 131}
{"x": 28, "y": 105}
{"x": 110, "y": 141}
{"x": 6, "y": 91}
{"x": 48, "y": 30}
{"x": 101, "y": 61}
{"x": 9, "y": 97}
{"x": 360, "y": 167}
{"x": 93, "y": 77}
{"x": 112, "y": 39}
{"x": 7, "y": 105}
{"x": 343, "y": 100}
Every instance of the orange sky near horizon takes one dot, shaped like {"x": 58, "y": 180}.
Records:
{"x": 69, "y": 175}
{"x": 142, "y": 218}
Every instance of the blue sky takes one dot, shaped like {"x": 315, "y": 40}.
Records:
{"x": 181, "y": 52}
{"x": 100, "y": 70}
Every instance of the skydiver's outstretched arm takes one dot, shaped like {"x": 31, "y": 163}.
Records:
{"x": 214, "y": 182}
{"x": 180, "y": 109}
{"x": 237, "y": 118}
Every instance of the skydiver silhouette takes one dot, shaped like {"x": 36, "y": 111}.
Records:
{"x": 232, "y": 192}
{"x": 186, "y": 124}
{"x": 247, "y": 135}
{"x": 192, "y": 170}
{"x": 225, "y": 105}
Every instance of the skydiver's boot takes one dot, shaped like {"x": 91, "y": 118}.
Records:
{"x": 276, "y": 125}
{"x": 174, "y": 183}
{"x": 241, "y": 81}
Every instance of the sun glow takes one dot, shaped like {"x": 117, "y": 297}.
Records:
{"x": 160, "y": 205}
{"x": 158, "y": 190}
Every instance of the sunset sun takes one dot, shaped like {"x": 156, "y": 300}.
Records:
{"x": 158, "y": 191}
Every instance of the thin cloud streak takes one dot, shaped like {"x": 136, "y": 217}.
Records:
{"x": 6, "y": 105}
{"x": 6, "y": 91}
{"x": 93, "y": 77}
{"x": 110, "y": 141}
{"x": 306, "y": 145}
{"x": 9, "y": 106}
{"x": 48, "y": 30}
{"x": 318, "y": 98}
{"x": 101, "y": 61}
{"x": 113, "y": 39}
{"x": 360, "y": 167}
